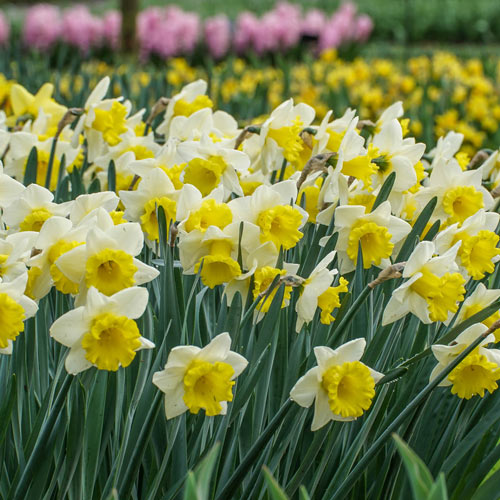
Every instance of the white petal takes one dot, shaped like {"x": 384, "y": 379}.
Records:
{"x": 306, "y": 388}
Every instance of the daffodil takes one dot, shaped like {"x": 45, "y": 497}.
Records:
{"x": 15, "y": 307}
{"x": 312, "y": 288}
{"x": 103, "y": 333}
{"x": 15, "y": 251}
{"x": 155, "y": 190}
{"x": 460, "y": 193}
{"x": 280, "y": 139}
{"x": 57, "y": 236}
{"x": 341, "y": 386}
{"x": 85, "y": 204}
{"x": 274, "y": 210}
{"x": 10, "y": 189}
{"x": 208, "y": 164}
{"x": 478, "y": 300}
{"x": 396, "y": 154}
{"x": 190, "y": 99}
{"x": 477, "y": 373}
{"x": 32, "y": 208}
{"x": 214, "y": 252}
{"x": 433, "y": 288}
{"x": 375, "y": 232}
{"x": 107, "y": 259}
{"x": 478, "y": 250}
{"x": 24, "y": 103}
{"x": 200, "y": 378}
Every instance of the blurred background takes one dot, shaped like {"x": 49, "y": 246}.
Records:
{"x": 440, "y": 58}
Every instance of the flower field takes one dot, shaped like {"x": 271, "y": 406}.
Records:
{"x": 263, "y": 277}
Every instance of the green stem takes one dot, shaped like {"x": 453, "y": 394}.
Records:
{"x": 344, "y": 322}
{"x": 355, "y": 474}
{"x": 51, "y": 161}
{"x": 244, "y": 468}
{"x": 38, "y": 450}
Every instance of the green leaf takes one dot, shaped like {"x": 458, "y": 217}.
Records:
{"x": 489, "y": 489}
{"x": 198, "y": 482}
{"x": 274, "y": 489}
{"x": 385, "y": 190}
{"x": 421, "y": 480}
{"x": 31, "y": 167}
{"x": 417, "y": 230}
{"x": 111, "y": 176}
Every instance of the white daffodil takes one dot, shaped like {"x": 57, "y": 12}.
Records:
{"x": 280, "y": 139}
{"x": 85, "y": 204}
{"x": 478, "y": 251}
{"x": 107, "y": 259}
{"x": 313, "y": 287}
{"x": 190, "y": 99}
{"x": 131, "y": 148}
{"x": 103, "y": 333}
{"x": 219, "y": 125}
{"x": 329, "y": 135}
{"x": 433, "y": 289}
{"x": 215, "y": 251}
{"x": 200, "y": 378}
{"x": 155, "y": 190}
{"x": 196, "y": 212}
{"x": 395, "y": 154}
{"x": 478, "y": 300}
{"x": 103, "y": 121}
{"x": 446, "y": 148}
{"x": 15, "y": 307}
{"x": 341, "y": 386}
{"x": 10, "y": 189}
{"x": 376, "y": 232}
{"x": 57, "y": 236}
{"x": 392, "y": 112}
{"x": 274, "y": 210}
{"x": 478, "y": 372}
{"x": 460, "y": 193}
{"x": 208, "y": 164}
{"x": 15, "y": 250}
{"x": 32, "y": 208}
{"x": 167, "y": 158}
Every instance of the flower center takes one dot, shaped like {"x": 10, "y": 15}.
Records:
{"x": 329, "y": 300}
{"x": 474, "y": 375}
{"x": 149, "y": 220}
{"x": 205, "y": 174}
{"x": 263, "y": 279}
{"x": 289, "y": 139}
{"x": 477, "y": 252}
{"x": 280, "y": 225}
{"x": 350, "y": 389}
{"x": 206, "y": 385}
{"x": 375, "y": 243}
{"x": 110, "y": 271}
{"x": 461, "y": 202}
{"x": 218, "y": 267}
{"x": 111, "y": 341}
{"x": 442, "y": 294}
{"x": 111, "y": 123}
{"x": 185, "y": 108}
{"x": 35, "y": 220}
{"x": 61, "y": 282}
{"x": 210, "y": 213}
{"x": 11, "y": 319}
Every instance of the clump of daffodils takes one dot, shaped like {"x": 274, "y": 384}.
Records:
{"x": 290, "y": 206}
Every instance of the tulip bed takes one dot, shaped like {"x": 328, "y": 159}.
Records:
{"x": 199, "y": 303}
